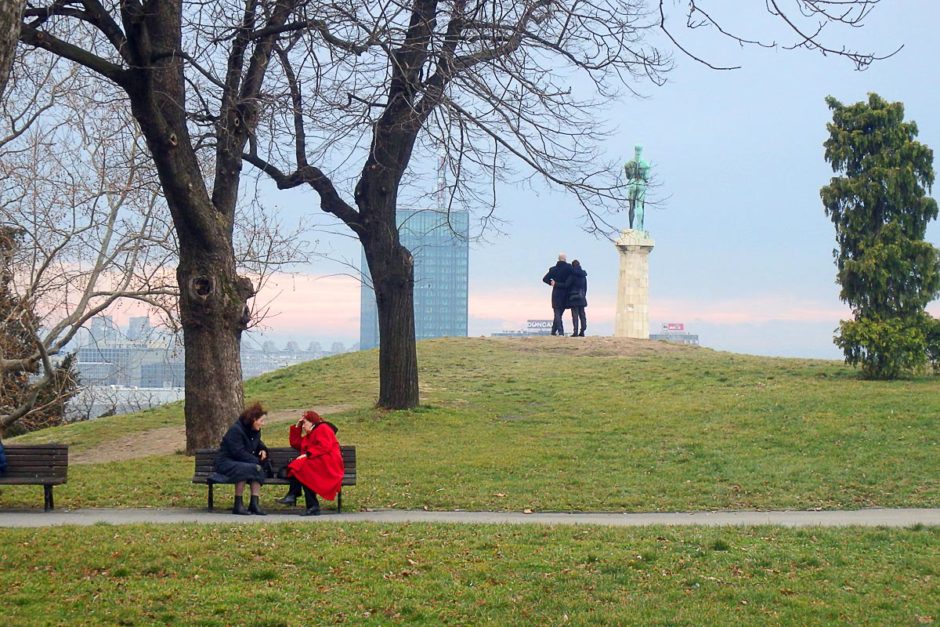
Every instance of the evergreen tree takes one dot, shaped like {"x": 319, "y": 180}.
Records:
{"x": 879, "y": 205}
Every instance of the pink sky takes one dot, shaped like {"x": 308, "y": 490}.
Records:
{"x": 328, "y": 307}
{"x": 308, "y": 304}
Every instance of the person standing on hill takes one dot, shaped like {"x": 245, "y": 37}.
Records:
{"x": 557, "y": 276}
{"x": 577, "y": 298}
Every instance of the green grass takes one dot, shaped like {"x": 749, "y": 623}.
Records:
{"x": 509, "y": 425}
{"x": 292, "y": 574}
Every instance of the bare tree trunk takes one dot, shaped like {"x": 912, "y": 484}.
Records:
{"x": 213, "y": 313}
{"x": 392, "y": 268}
{"x": 10, "y": 12}
{"x": 390, "y": 264}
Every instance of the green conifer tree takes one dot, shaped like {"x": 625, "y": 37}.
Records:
{"x": 879, "y": 205}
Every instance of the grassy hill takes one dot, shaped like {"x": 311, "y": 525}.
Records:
{"x": 595, "y": 424}
{"x": 545, "y": 424}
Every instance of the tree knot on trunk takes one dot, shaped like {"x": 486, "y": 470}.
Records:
{"x": 201, "y": 287}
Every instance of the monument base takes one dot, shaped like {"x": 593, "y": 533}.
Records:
{"x": 632, "y": 318}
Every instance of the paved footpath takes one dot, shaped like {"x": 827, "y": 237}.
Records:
{"x": 861, "y": 518}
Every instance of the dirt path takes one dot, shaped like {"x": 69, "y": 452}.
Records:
{"x": 168, "y": 440}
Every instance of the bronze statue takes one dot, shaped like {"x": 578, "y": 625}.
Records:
{"x": 638, "y": 176}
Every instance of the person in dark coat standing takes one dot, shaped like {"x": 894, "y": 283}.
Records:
{"x": 577, "y": 297}
{"x": 557, "y": 276}
{"x": 240, "y": 456}
{"x": 319, "y": 468}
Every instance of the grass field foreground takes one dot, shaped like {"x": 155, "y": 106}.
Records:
{"x": 438, "y": 574}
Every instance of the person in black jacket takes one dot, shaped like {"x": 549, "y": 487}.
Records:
{"x": 577, "y": 298}
{"x": 240, "y": 456}
{"x": 557, "y": 277}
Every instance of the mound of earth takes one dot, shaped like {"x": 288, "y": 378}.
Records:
{"x": 592, "y": 345}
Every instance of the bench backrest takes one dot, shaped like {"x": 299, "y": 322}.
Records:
{"x": 205, "y": 457}
{"x": 36, "y": 463}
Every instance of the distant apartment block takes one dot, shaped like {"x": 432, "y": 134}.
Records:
{"x": 532, "y": 328}
{"x": 675, "y": 333}
{"x": 439, "y": 242}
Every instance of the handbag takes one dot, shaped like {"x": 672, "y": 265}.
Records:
{"x": 267, "y": 468}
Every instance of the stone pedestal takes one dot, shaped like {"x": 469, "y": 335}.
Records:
{"x": 633, "y": 310}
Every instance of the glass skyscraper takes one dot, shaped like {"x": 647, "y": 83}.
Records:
{"x": 440, "y": 245}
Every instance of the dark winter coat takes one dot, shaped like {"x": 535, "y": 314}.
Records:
{"x": 238, "y": 457}
{"x": 577, "y": 288}
{"x": 559, "y": 273}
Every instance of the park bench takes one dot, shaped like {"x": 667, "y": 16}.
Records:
{"x": 205, "y": 459}
{"x": 37, "y": 464}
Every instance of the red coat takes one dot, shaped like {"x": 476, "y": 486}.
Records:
{"x": 321, "y": 469}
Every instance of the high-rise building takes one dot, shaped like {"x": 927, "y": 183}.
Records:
{"x": 103, "y": 329}
{"x": 439, "y": 242}
{"x": 138, "y": 328}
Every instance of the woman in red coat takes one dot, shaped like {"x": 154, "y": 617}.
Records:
{"x": 319, "y": 467}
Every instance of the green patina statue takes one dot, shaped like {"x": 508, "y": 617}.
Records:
{"x": 638, "y": 176}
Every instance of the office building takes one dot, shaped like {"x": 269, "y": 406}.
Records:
{"x": 439, "y": 242}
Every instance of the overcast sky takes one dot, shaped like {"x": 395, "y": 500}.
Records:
{"x": 743, "y": 253}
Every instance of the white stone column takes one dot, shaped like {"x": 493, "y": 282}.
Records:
{"x": 633, "y": 309}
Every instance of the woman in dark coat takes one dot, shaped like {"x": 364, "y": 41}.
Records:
{"x": 319, "y": 467}
{"x": 577, "y": 297}
{"x": 240, "y": 455}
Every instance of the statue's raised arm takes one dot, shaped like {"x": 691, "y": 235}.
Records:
{"x": 638, "y": 176}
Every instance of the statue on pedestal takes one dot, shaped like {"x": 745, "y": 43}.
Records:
{"x": 638, "y": 176}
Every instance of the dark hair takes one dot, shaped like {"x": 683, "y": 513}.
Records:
{"x": 576, "y": 263}
{"x": 251, "y": 413}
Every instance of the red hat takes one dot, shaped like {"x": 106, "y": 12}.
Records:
{"x": 312, "y": 416}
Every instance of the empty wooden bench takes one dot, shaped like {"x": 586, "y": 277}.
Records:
{"x": 280, "y": 457}
{"x": 37, "y": 464}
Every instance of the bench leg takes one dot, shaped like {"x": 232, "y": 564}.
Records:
{"x": 339, "y": 502}
{"x": 47, "y": 497}
{"x": 210, "y": 496}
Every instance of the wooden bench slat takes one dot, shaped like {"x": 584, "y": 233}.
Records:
{"x": 35, "y": 471}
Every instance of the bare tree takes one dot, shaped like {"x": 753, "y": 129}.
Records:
{"x": 164, "y": 55}
{"x": 86, "y": 222}
{"x": 503, "y": 89}
{"x": 79, "y": 189}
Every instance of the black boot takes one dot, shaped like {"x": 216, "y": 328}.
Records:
{"x": 255, "y": 507}
{"x": 581, "y": 334}
{"x": 292, "y": 493}
{"x": 313, "y": 506}
{"x": 239, "y": 507}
